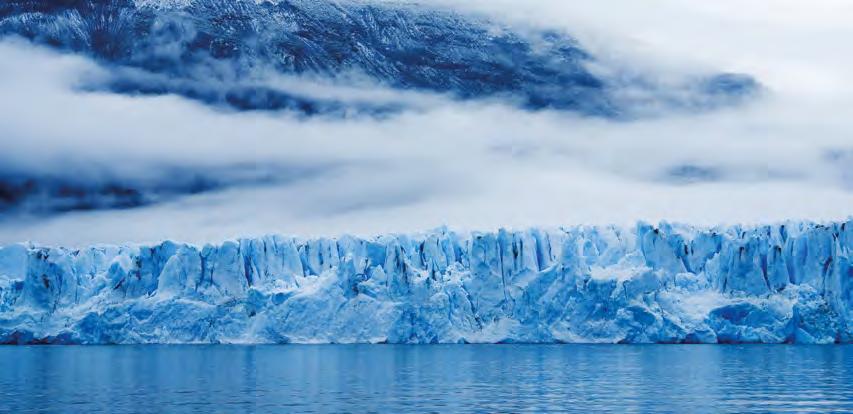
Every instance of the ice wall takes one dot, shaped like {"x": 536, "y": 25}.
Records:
{"x": 666, "y": 283}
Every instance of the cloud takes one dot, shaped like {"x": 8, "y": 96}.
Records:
{"x": 474, "y": 165}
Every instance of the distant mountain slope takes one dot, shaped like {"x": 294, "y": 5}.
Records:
{"x": 213, "y": 50}
{"x": 312, "y": 58}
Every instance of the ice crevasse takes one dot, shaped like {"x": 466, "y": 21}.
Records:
{"x": 785, "y": 283}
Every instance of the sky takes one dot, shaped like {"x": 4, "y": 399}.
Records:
{"x": 786, "y": 155}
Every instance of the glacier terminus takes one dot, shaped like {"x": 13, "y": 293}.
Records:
{"x": 785, "y": 283}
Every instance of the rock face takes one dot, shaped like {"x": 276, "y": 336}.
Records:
{"x": 648, "y": 284}
{"x": 219, "y": 52}
{"x": 315, "y": 58}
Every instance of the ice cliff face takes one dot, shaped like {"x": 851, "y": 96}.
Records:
{"x": 773, "y": 284}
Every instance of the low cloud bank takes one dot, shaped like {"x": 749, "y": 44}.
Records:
{"x": 785, "y": 155}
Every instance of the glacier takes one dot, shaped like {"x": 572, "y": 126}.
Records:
{"x": 665, "y": 283}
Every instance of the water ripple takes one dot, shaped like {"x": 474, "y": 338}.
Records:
{"x": 465, "y": 379}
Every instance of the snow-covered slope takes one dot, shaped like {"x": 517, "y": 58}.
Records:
{"x": 666, "y": 283}
{"x": 314, "y": 59}
{"x": 222, "y": 51}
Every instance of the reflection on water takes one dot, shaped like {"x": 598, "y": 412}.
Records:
{"x": 454, "y": 378}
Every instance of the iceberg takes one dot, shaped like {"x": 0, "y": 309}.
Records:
{"x": 669, "y": 283}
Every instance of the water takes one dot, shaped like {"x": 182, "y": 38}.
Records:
{"x": 464, "y": 378}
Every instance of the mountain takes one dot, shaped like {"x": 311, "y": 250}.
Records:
{"x": 222, "y": 52}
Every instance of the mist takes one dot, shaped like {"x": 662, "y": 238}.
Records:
{"x": 785, "y": 154}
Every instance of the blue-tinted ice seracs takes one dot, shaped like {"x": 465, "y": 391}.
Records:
{"x": 673, "y": 284}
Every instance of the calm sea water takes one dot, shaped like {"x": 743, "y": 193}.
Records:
{"x": 465, "y": 378}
